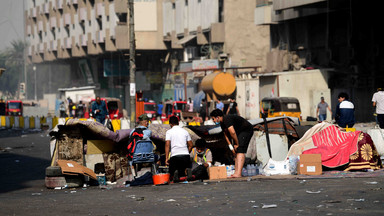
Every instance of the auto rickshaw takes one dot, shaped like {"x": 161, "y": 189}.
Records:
{"x": 281, "y": 106}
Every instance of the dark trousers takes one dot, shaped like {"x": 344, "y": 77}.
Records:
{"x": 380, "y": 119}
{"x": 200, "y": 172}
{"x": 180, "y": 163}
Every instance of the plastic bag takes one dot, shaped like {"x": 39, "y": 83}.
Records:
{"x": 277, "y": 167}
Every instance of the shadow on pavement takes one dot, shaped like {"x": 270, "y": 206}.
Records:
{"x": 19, "y": 171}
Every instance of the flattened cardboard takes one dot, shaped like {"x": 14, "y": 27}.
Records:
{"x": 310, "y": 164}
{"x": 73, "y": 168}
{"x": 217, "y": 172}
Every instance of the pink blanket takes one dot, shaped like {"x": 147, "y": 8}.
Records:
{"x": 334, "y": 146}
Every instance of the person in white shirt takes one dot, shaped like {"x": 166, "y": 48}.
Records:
{"x": 178, "y": 145}
{"x": 378, "y": 102}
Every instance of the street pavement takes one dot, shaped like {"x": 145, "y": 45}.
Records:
{"x": 24, "y": 155}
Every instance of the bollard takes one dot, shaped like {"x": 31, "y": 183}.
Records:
{"x": 55, "y": 121}
{"x": 37, "y": 122}
{"x": 7, "y": 122}
{"x": 116, "y": 124}
{"x": 16, "y": 123}
{"x": 26, "y": 122}
{"x": 124, "y": 124}
{"x": 31, "y": 122}
{"x": 11, "y": 121}
{"x": 2, "y": 121}
{"x": 21, "y": 122}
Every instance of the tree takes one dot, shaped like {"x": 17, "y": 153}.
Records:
{"x": 12, "y": 59}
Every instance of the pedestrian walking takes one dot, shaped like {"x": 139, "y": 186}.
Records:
{"x": 240, "y": 131}
{"x": 322, "y": 110}
{"x": 233, "y": 109}
{"x": 378, "y": 103}
{"x": 99, "y": 110}
{"x": 345, "y": 111}
{"x": 190, "y": 105}
{"x": 203, "y": 110}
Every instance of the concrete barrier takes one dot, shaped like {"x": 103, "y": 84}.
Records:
{"x": 35, "y": 122}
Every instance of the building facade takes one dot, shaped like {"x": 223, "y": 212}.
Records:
{"x": 179, "y": 41}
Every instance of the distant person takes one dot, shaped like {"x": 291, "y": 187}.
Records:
{"x": 201, "y": 158}
{"x": 240, "y": 131}
{"x": 99, "y": 110}
{"x": 62, "y": 110}
{"x": 203, "y": 110}
{"x": 378, "y": 102}
{"x": 80, "y": 110}
{"x": 233, "y": 109}
{"x": 345, "y": 111}
{"x": 70, "y": 106}
{"x": 160, "y": 109}
{"x": 219, "y": 105}
{"x": 178, "y": 145}
{"x": 322, "y": 110}
{"x": 190, "y": 105}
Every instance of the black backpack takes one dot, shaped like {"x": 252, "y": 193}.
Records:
{"x": 135, "y": 136}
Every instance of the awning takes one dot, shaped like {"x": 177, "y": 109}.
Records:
{"x": 185, "y": 39}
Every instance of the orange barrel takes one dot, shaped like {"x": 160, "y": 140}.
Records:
{"x": 162, "y": 178}
{"x": 220, "y": 83}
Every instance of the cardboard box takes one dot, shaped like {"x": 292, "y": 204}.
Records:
{"x": 217, "y": 172}
{"x": 310, "y": 164}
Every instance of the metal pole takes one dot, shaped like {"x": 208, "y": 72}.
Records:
{"x": 132, "y": 63}
{"x": 34, "y": 69}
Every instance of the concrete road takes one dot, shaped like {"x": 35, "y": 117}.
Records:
{"x": 24, "y": 157}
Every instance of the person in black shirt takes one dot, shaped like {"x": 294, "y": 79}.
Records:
{"x": 240, "y": 130}
{"x": 232, "y": 109}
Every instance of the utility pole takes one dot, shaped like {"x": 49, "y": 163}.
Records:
{"x": 132, "y": 63}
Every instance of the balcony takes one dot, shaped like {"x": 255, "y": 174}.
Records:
{"x": 100, "y": 37}
{"x": 40, "y": 26}
{"x": 67, "y": 19}
{"x": 52, "y": 46}
{"x": 67, "y": 43}
{"x": 99, "y": 10}
{"x": 40, "y": 48}
{"x": 82, "y": 14}
{"x": 83, "y": 40}
{"x": 46, "y": 8}
{"x": 53, "y": 22}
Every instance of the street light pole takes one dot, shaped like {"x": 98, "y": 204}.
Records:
{"x": 132, "y": 63}
{"x": 34, "y": 70}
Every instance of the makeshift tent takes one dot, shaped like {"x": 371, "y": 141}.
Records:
{"x": 355, "y": 149}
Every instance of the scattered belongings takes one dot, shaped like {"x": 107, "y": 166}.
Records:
{"x": 86, "y": 150}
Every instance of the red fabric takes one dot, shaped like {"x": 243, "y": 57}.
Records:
{"x": 334, "y": 146}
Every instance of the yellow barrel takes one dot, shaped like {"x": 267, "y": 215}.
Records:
{"x": 220, "y": 83}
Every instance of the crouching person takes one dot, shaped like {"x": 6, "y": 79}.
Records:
{"x": 178, "y": 145}
{"x": 201, "y": 158}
